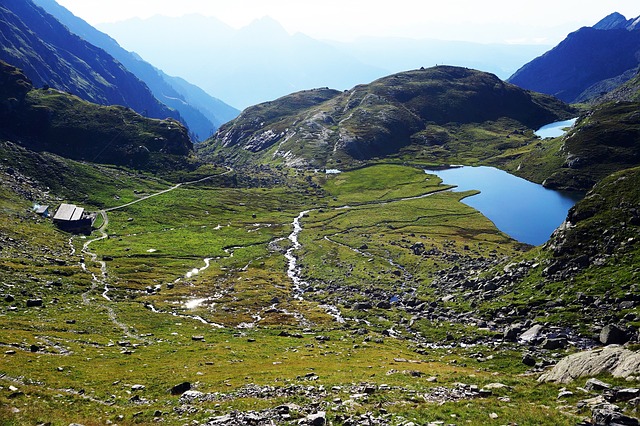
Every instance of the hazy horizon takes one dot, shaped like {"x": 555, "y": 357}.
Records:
{"x": 493, "y": 21}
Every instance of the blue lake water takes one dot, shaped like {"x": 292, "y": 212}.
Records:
{"x": 525, "y": 211}
{"x": 555, "y": 130}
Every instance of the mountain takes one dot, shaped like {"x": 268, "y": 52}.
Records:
{"x": 588, "y": 60}
{"x": 256, "y": 63}
{"x": 51, "y": 120}
{"x": 201, "y": 112}
{"x": 617, "y": 21}
{"x": 400, "y": 54}
{"x": 51, "y": 55}
{"x": 262, "y": 62}
{"x": 418, "y": 108}
{"x": 626, "y": 92}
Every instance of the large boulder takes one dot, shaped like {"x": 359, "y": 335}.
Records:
{"x": 613, "y": 335}
{"x": 613, "y": 359}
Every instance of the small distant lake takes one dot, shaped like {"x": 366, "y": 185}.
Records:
{"x": 525, "y": 211}
{"x": 555, "y": 130}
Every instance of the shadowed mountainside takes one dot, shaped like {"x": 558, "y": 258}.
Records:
{"x": 52, "y": 56}
{"x": 202, "y": 113}
{"x": 54, "y": 121}
{"x": 587, "y": 63}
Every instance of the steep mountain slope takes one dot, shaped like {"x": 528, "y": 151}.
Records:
{"x": 617, "y": 21}
{"x": 586, "y": 58}
{"x": 585, "y": 275}
{"x": 54, "y": 121}
{"x": 50, "y": 55}
{"x": 202, "y": 113}
{"x": 322, "y": 126}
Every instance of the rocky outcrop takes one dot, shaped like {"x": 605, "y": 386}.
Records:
{"x": 616, "y": 360}
{"x": 316, "y": 127}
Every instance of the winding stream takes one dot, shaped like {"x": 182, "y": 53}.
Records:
{"x": 294, "y": 271}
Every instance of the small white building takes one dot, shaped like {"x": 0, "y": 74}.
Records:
{"x": 72, "y": 218}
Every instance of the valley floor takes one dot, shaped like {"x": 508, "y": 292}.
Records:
{"x": 283, "y": 298}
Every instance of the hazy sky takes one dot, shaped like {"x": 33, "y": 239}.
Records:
{"x": 541, "y": 21}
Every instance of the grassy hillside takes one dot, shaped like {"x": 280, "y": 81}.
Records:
{"x": 54, "y": 121}
{"x": 292, "y": 296}
{"x": 195, "y": 288}
{"x": 416, "y": 113}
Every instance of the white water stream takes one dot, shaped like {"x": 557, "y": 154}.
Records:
{"x": 294, "y": 271}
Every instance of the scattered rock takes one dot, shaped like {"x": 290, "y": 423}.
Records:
{"x": 616, "y": 360}
{"x": 362, "y": 306}
{"x": 317, "y": 419}
{"x": 531, "y": 334}
{"x": 596, "y": 385}
{"x": 610, "y": 415}
{"x": 626, "y": 394}
{"x": 180, "y": 389}
{"x": 34, "y": 303}
{"x": 554, "y": 343}
{"x": 613, "y": 335}
{"x": 511, "y": 333}
{"x": 528, "y": 360}
{"x": 565, "y": 394}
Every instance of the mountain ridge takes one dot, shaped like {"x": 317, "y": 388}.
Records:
{"x": 379, "y": 118}
{"x": 54, "y": 121}
{"x": 57, "y": 58}
{"x": 320, "y": 63}
{"x": 202, "y": 113}
{"x": 584, "y": 59}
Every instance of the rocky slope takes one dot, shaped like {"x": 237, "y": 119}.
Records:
{"x": 323, "y": 126}
{"x": 54, "y": 121}
{"x": 52, "y": 56}
{"x": 587, "y": 62}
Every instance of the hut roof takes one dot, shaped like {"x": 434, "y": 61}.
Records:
{"x": 68, "y": 212}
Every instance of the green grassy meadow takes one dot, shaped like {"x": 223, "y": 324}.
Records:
{"x": 146, "y": 321}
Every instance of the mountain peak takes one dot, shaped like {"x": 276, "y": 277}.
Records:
{"x": 266, "y": 25}
{"x": 617, "y": 21}
{"x": 612, "y": 21}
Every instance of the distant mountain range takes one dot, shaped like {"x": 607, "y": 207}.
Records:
{"x": 588, "y": 63}
{"x": 262, "y": 62}
{"x": 201, "y": 112}
{"x": 51, "y": 55}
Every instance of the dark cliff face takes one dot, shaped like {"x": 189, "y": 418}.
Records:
{"x": 585, "y": 58}
{"x": 50, "y": 55}
{"x": 380, "y": 118}
{"x": 57, "y": 122}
